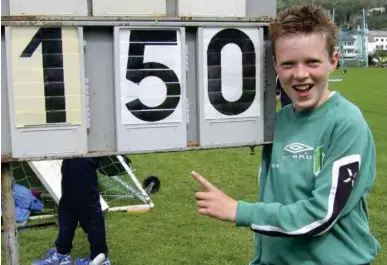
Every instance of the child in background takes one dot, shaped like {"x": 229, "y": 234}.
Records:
{"x": 80, "y": 202}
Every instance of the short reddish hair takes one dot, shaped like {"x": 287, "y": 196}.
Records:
{"x": 304, "y": 19}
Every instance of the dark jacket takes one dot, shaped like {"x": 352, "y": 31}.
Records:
{"x": 285, "y": 100}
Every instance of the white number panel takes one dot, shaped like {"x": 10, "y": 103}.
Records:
{"x": 231, "y": 73}
{"x": 231, "y": 90}
{"x": 151, "y": 88}
{"x": 46, "y": 90}
{"x": 43, "y": 92}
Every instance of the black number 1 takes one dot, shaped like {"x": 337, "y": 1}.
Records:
{"x": 54, "y": 91}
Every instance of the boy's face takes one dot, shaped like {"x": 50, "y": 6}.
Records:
{"x": 303, "y": 66}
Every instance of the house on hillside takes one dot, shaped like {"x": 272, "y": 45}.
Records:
{"x": 377, "y": 40}
{"x": 376, "y": 10}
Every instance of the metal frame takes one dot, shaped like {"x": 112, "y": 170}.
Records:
{"x": 8, "y": 214}
{"x": 106, "y": 21}
{"x": 125, "y": 22}
{"x": 7, "y": 158}
{"x": 42, "y": 21}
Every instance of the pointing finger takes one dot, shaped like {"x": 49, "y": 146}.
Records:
{"x": 205, "y": 183}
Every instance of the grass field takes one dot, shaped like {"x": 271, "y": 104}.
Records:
{"x": 174, "y": 234}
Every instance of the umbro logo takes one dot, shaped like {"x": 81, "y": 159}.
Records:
{"x": 296, "y": 148}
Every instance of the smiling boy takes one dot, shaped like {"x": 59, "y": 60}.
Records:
{"x": 314, "y": 178}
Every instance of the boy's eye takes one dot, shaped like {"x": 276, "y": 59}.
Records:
{"x": 313, "y": 62}
{"x": 287, "y": 64}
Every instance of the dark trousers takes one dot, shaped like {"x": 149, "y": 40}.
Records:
{"x": 80, "y": 203}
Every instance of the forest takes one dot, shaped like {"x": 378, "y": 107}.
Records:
{"x": 348, "y": 13}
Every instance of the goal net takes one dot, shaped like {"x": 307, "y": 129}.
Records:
{"x": 120, "y": 190}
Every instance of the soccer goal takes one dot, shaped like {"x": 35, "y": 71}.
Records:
{"x": 120, "y": 190}
{"x": 119, "y": 185}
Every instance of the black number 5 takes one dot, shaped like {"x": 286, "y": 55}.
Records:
{"x": 137, "y": 70}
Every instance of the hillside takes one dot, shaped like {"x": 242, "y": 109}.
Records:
{"x": 348, "y": 12}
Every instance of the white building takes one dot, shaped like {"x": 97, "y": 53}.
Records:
{"x": 376, "y": 10}
{"x": 377, "y": 39}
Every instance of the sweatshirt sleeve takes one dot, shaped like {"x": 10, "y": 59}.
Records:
{"x": 342, "y": 173}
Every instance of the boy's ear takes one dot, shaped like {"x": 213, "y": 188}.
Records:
{"x": 335, "y": 59}
{"x": 274, "y": 62}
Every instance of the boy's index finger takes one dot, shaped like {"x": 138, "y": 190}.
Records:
{"x": 205, "y": 183}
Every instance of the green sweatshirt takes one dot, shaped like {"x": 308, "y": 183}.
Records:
{"x": 313, "y": 183}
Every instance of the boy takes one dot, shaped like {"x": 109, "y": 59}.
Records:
{"x": 315, "y": 177}
{"x": 79, "y": 203}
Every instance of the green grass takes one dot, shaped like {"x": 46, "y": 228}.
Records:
{"x": 174, "y": 234}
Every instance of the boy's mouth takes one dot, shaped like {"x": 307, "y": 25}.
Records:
{"x": 303, "y": 90}
{"x": 300, "y": 88}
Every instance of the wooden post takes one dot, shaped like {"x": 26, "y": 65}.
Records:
{"x": 8, "y": 210}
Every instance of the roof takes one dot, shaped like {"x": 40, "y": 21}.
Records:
{"x": 375, "y": 34}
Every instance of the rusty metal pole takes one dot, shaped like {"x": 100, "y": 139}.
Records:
{"x": 8, "y": 211}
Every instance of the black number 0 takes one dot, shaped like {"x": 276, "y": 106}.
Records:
{"x": 214, "y": 67}
{"x": 54, "y": 89}
{"x": 137, "y": 70}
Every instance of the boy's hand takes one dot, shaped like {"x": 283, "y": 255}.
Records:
{"x": 214, "y": 203}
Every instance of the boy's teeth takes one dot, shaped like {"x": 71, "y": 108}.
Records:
{"x": 302, "y": 87}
